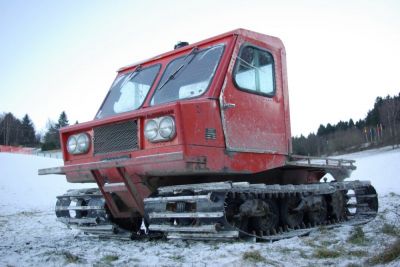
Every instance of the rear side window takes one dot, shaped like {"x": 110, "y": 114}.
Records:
{"x": 254, "y": 71}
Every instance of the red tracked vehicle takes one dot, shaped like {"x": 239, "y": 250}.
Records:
{"x": 196, "y": 144}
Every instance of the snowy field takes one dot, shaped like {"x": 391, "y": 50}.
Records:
{"x": 31, "y": 236}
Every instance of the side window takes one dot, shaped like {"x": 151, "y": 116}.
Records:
{"x": 254, "y": 71}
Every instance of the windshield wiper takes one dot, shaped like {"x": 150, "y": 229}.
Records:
{"x": 132, "y": 75}
{"x": 172, "y": 76}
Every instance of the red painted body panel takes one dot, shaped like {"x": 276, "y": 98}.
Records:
{"x": 253, "y": 137}
{"x": 261, "y": 119}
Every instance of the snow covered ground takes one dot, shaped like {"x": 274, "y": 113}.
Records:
{"x": 31, "y": 236}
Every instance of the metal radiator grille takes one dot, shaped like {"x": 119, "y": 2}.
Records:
{"x": 115, "y": 137}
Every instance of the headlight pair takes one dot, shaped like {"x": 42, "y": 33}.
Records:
{"x": 78, "y": 143}
{"x": 160, "y": 129}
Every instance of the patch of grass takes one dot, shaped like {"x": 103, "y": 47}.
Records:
{"x": 3, "y": 222}
{"x": 326, "y": 243}
{"x": 180, "y": 244}
{"x": 357, "y": 236}
{"x": 215, "y": 246}
{"x": 357, "y": 253}
{"x": 253, "y": 256}
{"x": 269, "y": 262}
{"x": 70, "y": 258}
{"x": 393, "y": 194}
{"x": 109, "y": 258}
{"x": 390, "y": 253}
{"x": 323, "y": 229}
{"x": 303, "y": 254}
{"x": 177, "y": 257}
{"x": 28, "y": 213}
{"x": 353, "y": 265}
{"x": 311, "y": 243}
{"x": 390, "y": 229}
{"x": 324, "y": 253}
{"x": 285, "y": 250}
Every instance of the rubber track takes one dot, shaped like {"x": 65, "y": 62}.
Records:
{"x": 94, "y": 219}
{"x": 365, "y": 201}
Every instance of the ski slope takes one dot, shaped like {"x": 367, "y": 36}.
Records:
{"x": 380, "y": 166}
{"x": 31, "y": 236}
{"x": 22, "y": 189}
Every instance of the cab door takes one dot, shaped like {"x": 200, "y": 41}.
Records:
{"x": 251, "y": 101}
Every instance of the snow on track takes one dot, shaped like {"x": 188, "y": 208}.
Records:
{"x": 31, "y": 236}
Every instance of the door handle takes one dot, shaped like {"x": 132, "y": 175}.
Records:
{"x": 228, "y": 105}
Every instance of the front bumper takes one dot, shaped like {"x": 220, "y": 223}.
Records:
{"x": 116, "y": 163}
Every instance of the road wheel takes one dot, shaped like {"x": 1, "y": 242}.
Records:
{"x": 337, "y": 205}
{"x": 289, "y": 216}
{"x": 271, "y": 218}
{"x": 319, "y": 213}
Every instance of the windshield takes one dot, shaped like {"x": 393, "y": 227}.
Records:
{"x": 128, "y": 91}
{"x": 188, "y": 76}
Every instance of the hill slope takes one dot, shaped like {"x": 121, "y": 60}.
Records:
{"x": 31, "y": 236}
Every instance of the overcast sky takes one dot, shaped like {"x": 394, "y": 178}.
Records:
{"x": 62, "y": 55}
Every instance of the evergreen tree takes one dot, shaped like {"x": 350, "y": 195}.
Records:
{"x": 10, "y": 128}
{"x": 351, "y": 123}
{"x": 62, "y": 120}
{"x": 51, "y": 139}
{"x": 373, "y": 117}
{"x": 321, "y": 130}
{"x": 28, "y": 135}
{"x": 360, "y": 124}
{"x": 330, "y": 129}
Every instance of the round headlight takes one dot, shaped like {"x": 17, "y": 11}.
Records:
{"x": 151, "y": 130}
{"x": 167, "y": 128}
{"x": 72, "y": 144}
{"x": 83, "y": 142}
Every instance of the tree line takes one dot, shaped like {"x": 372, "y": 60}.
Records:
{"x": 15, "y": 132}
{"x": 380, "y": 127}
{"x": 21, "y": 132}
